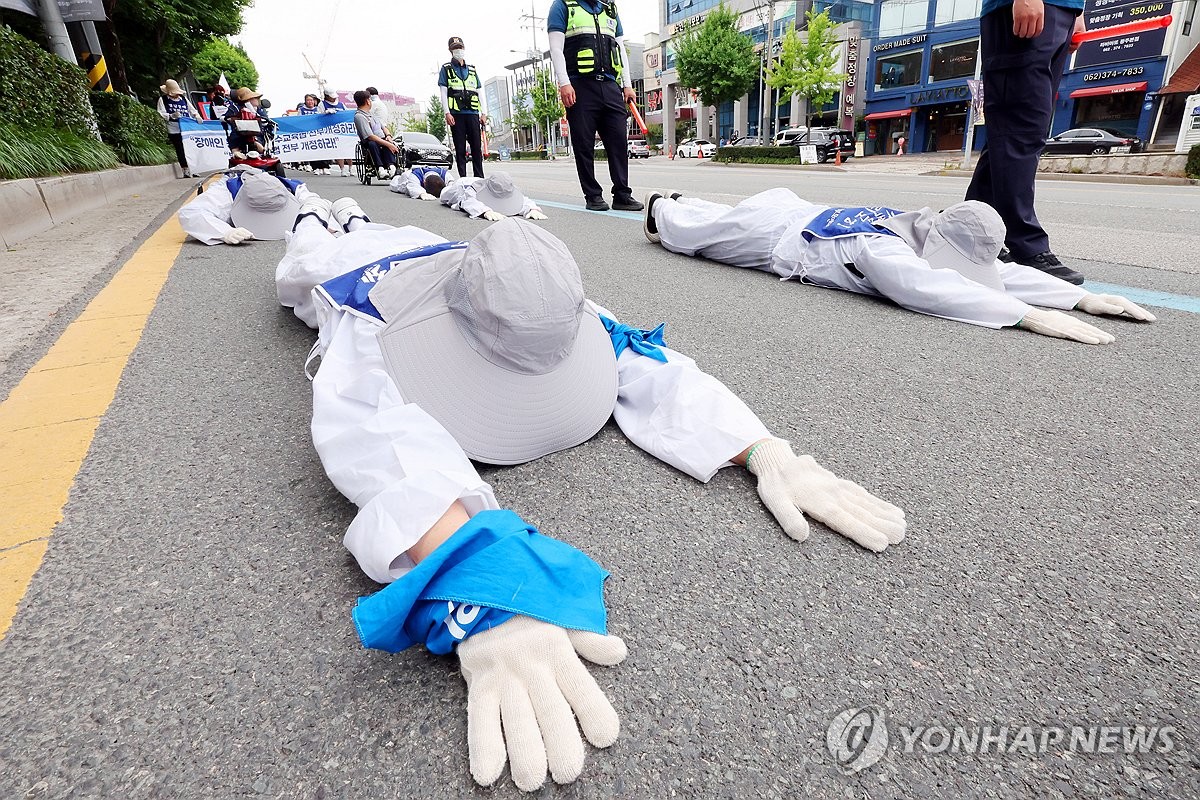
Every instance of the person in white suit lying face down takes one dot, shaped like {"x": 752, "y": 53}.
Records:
{"x": 492, "y": 198}
{"x": 433, "y": 354}
{"x": 942, "y": 264}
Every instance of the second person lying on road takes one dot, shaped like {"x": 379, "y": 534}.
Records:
{"x": 492, "y": 198}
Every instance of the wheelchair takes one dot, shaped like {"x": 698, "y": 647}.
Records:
{"x": 365, "y": 167}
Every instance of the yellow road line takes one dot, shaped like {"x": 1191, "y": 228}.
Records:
{"x": 48, "y": 421}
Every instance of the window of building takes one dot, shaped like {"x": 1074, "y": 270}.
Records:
{"x": 901, "y": 69}
{"x": 845, "y": 10}
{"x": 954, "y": 60}
{"x": 956, "y": 11}
{"x": 682, "y": 9}
{"x": 898, "y": 17}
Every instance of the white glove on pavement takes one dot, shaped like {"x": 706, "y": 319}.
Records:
{"x": 237, "y": 236}
{"x": 1113, "y": 305}
{"x": 1063, "y": 326}
{"x": 524, "y": 680}
{"x": 792, "y": 485}
{"x": 492, "y": 216}
{"x": 536, "y": 214}
{"x": 426, "y": 196}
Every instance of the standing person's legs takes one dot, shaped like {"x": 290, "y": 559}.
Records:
{"x": 458, "y": 132}
{"x": 472, "y": 128}
{"x": 611, "y": 121}
{"x": 1020, "y": 77}
{"x": 582, "y": 119}
{"x": 177, "y": 142}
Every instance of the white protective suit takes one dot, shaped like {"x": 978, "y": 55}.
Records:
{"x": 459, "y": 194}
{"x": 766, "y": 232}
{"x": 206, "y": 217}
{"x": 401, "y": 467}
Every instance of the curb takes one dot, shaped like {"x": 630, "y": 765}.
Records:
{"x": 1092, "y": 177}
{"x": 30, "y": 206}
{"x": 812, "y": 167}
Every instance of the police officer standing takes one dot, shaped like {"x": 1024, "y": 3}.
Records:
{"x": 587, "y": 47}
{"x": 459, "y": 83}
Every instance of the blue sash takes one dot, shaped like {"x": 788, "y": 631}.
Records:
{"x": 851, "y": 221}
{"x": 349, "y": 291}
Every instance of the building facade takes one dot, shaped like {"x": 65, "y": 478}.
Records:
{"x": 921, "y": 65}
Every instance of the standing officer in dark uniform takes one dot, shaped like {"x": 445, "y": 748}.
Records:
{"x": 459, "y": 83}
{"x": 1024, "y": 45}
{"x": 587, "y": 47}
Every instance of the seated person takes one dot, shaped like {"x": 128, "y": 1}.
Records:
{"x": 245, "y": 107}
{"x": 247, "y": 204}
{"x": 408, "y": 392}
{"x": 942, "y": 264}
{"x": 370, "y": 132}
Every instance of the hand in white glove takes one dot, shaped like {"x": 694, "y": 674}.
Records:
{"x": 525, "y": 687}
{"x": 792, "y": 485}
{"x": 536, "y": 214}
{"x": 492, "y": 216}
{"x": 426, "y": 196}
{"x": 237, "y": 236}
{"x": 1113, "y": 305}
{"x": 1063, "y": 326}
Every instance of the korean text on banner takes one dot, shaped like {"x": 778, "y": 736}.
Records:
{"x": 313, "y": 137}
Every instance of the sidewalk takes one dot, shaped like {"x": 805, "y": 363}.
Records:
{"x": 914, "y": 164}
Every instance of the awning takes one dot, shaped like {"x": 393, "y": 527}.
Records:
{"x": 1186, "y": 79}
{"x": 1119, "y": 88}
{"x": 904, "y": 112}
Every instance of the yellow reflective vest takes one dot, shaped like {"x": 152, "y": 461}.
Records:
{"x": 461, "y": 95}
{"x": 591, "y": 42}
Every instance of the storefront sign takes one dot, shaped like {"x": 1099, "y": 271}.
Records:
{"x": 945, "y": 94}
{"x": 687, "y": 25}
{"x": 905, "y": 42}
{"x": 1105, "y": 74}
{"x": 850, "y": 85}
{"x": 652, "y": 59}
{"x": 654, "y": 100}
{"x": 1101, "y": 14}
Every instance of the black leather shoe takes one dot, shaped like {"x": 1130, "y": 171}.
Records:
{"x": 626, "y": 204}
{"x": 1048, "y": 263}
{"x": 1005, "y": 255}
{"x": 596, "y": 204}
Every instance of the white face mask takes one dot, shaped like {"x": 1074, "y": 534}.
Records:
{"x": 461, "y": 55}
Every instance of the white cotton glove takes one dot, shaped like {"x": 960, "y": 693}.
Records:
{"x": 525, "y": 688}
{"x": 1113, "y": 305}
{"x": 1063, "y": 326}
{"x": 426, "y": 196}
{"x": 792, "y": 485}
{"x": 491, "y": 216}
{"x": 536, "y": 214}
{"x": 237, "y": 236}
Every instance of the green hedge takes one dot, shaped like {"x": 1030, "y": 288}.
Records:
{"x": 46, "y": 122}
{"x": 758, "y": 155}
{"x": 1192, "y": 170}
{"x": 135, "y": 131}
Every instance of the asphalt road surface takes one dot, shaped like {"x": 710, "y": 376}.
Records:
{"x": 188, "y": 633}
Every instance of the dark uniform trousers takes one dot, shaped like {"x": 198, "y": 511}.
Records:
{"x": 466, "y": 129}
{"x": 600, "y": 108}
{"x": 1020, "y": 81}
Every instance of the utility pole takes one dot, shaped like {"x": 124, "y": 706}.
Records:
{"x": 531, "y": 21}
{"x": 969, "y": 137}
{"x": 56, "y": 30}
{"x": 768, "y": 55}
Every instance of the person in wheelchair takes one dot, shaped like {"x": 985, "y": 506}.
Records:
{"x": 375, "y": 140}
{"x": 245, "y": 120}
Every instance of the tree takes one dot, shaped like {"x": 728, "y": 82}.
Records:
{"x": 807, "y": 66}
{"x": 412, "y": 121}
{"x": 523, "y": 116}
{"x": 219, "y": 56}
{"x": 716, "y": 58}
{"x": 547, "y": 105}
{"x": 158, "y": 39}
{"x": 436, "y": 117}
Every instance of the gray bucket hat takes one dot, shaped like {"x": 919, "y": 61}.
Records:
{"x": 497, "y": 344}
{"x": 264, "y": 206}
{"x": 967, "y": 237}
{"x": 500, "y": 194}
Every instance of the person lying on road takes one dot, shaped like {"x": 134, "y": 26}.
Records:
{"x": 493, "y": 198}
{"x": 436, "y": 353}
{"x": 942, "y": 264}
{"x": 246, "y": 204}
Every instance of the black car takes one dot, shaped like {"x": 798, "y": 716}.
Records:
{"x": 421, "y": 149}
{"x": 828, "y": 141}
{"x": 1092, "y": 141}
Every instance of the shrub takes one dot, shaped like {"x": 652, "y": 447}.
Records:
{"x": 135, "y": 131}
{"x": 758, "y": 155}
{"x": 37, "y": 152}
{"x": 1192, "y": 169}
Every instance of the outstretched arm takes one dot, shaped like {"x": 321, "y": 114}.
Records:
{"x": 206, "y": 218}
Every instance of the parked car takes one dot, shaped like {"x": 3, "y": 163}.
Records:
{"x": 747, "y": 141}
{"x": 422, "y": 149}
{"x": 692, "y": 148}
{"x": 638, "y": 149}
{"x": 827, "y": 140}
{"x": 1092, "y": 141}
